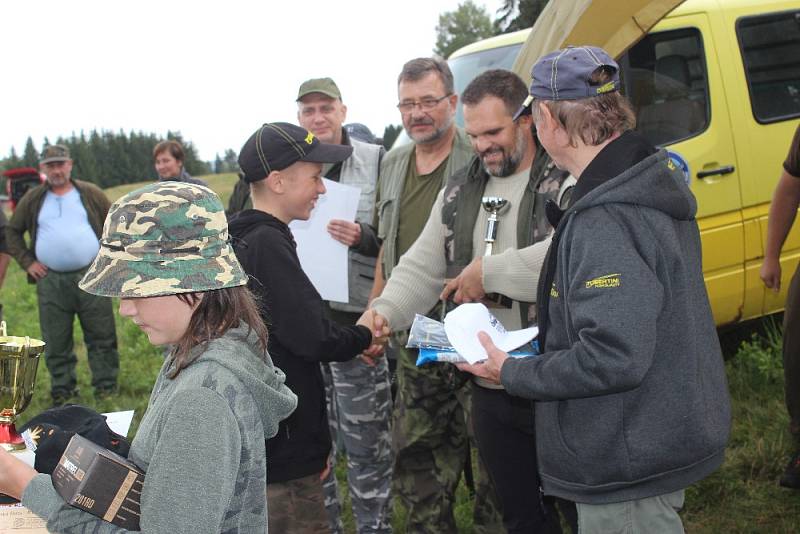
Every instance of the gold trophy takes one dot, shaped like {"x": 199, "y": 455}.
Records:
{"x": 19, "y": 359}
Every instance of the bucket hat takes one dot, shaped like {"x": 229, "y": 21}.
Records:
{"x": 164, "y": 239}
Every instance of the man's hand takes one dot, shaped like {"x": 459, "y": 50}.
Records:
{"x": 379, "y": 327}
{"x": 346, "y": 232}
{"x": 37, "y": 270}
{"x": 487, "y": 369}
{"x": 771, "y": 273}
{"x": 468, "y": 286}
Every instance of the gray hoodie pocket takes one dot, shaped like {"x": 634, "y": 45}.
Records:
{"x": 591, "y": 431}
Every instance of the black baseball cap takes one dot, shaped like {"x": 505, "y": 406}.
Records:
{"x": 277, "y": 145}
{"x": 52, "y": 430}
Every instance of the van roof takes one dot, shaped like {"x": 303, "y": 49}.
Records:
{"x": 688, "y": 6}
{"x": 492, "y": 43}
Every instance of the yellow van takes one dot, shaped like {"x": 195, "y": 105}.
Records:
{"x": 717, "y": 83}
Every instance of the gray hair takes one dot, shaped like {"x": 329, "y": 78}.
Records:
{"x": 418, "y": 68}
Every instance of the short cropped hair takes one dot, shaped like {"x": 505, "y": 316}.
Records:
{"x": 592, "y": 120}
{"x": 173, "y": 147}
{"x": 499, "y": 83}
{"x": 418, "y": 68}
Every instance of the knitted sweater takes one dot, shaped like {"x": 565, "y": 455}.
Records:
{"x": 418, "y": 279}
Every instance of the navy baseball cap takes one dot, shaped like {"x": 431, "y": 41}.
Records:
{"x": 277, "y": 145}
{"x": 565, "y": 75}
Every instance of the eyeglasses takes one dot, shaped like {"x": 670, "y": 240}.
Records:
{"x": 426, "y": 104}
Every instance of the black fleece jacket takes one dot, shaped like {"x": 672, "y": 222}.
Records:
{"x": 300, "y": 337}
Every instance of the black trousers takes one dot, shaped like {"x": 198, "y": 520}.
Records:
{"x": 504, "y": 431}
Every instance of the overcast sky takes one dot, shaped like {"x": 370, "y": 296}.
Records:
{"x": 213, "y": 71}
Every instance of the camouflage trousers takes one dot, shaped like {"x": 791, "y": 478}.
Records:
{"x": 296, "y": 506}
{"x": 59, "y": 300}
{"x": 359, "y": 414}
{"x": 431, "y": 435}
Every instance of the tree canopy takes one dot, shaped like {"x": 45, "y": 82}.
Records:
{"x": 467, "y": 24}
{"x": 518, "y": 14}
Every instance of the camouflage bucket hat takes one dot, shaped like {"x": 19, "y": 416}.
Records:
{"x": 163, "y": 239}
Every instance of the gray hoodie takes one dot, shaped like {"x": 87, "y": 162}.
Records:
{"x": 201, "y": 445}
{"x": 631, "y": 389}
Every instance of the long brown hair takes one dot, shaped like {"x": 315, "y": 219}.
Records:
{"x": 218, "y": 311}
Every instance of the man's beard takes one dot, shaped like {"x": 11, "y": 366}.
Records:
{"x": 438, "y": 133}
{"x": 510, "y": 162}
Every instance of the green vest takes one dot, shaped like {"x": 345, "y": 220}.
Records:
{"x": 461, "y": 207}
{"x": 392, "y": 181}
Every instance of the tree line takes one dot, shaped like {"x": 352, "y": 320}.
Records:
{"x": 109, "y": 158}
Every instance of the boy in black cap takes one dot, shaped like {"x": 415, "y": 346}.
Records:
{"x": 632, "y": 402}
{"x": 282, "y": 163}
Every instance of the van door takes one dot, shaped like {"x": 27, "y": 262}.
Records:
{"x": 674, "y": 81}
{"x": 762, "y": 63}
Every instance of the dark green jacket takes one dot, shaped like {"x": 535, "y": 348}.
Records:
{"x": 24, "y": 219}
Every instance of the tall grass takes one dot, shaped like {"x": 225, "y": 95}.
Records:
{"x": 741, "y": 497}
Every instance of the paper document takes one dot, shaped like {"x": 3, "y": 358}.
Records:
{"x": 119, "y": 422}
{"x": 463, "y": 324}
{"x": 324, "y": 259}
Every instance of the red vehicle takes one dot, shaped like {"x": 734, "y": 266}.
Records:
{"x": 19, "y": 180}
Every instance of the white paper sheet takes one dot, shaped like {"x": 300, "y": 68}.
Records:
{"x": 119, "y": 422}
{"x": 463, "y": 324}
{"x": 324, "y": 259}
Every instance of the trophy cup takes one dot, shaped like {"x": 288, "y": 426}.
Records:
{"x": 19, "y": 359}
{"x": 494, "y": 206}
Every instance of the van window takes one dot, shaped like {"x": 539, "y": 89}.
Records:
{"x": 465, "y": 68}
{"x": 665, "y": 77}
{"x": 770, "y": 47}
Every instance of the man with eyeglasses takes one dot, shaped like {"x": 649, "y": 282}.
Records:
{"x": 429, "y": 436}
{"x": 430, "y": 431}
{"x": 507, "y": 164}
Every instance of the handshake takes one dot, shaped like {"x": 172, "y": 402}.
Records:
{"x": 379, "y": 327}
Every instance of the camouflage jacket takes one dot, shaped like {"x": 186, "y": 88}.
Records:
{"x": 461, "y": 206}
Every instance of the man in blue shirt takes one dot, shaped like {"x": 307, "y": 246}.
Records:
{"x": 64, "y": 220}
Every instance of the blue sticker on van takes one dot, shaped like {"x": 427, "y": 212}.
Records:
{"x": 681, "y": 163}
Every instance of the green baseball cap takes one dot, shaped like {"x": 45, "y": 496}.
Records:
{"x": 326, "y": 86}
{"x": 54, "y": 153}
{"x": 164, "y": 239}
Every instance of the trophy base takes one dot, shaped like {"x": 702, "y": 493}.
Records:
{"x": 10, "y": 439}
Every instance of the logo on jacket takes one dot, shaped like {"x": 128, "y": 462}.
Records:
{"x": 553, "y": 291}
{"x": 609, "y": 280}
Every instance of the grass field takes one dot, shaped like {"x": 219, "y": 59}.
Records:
{"x": 741, "y": 497}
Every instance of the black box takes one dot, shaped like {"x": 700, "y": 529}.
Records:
{"x": 99, "y": 481}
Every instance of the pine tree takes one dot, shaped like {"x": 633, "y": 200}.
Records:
{"x": 30, "y": 157}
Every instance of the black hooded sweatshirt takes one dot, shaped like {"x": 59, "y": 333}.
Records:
{"x": 300, "y": 337}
